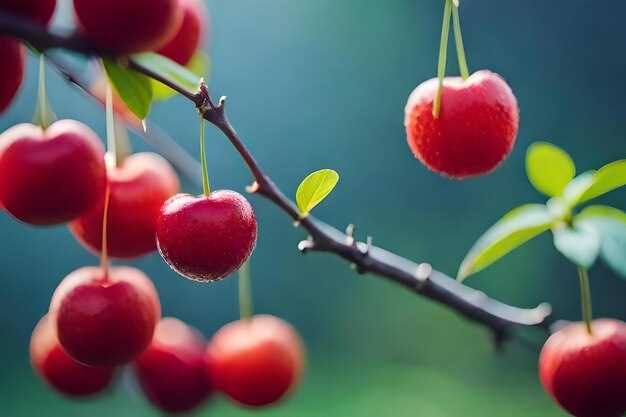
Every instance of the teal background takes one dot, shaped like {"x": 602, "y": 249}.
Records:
{"x": 323, "y": 83}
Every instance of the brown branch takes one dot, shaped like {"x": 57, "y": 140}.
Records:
{"x": 421, "y": 279}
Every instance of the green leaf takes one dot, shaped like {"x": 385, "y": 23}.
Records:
{"x": 606, "y": 179}
{"x": 549, "y": 168}
{"x": 169, "y": 69}
{"x": 134, "y": 88}
{"x": 514, "y": 229}
{"x": 610, "y": 224}
{"x": 200, "y": 65}
{"x": 314, "y": 188}
{"x": 580, "y": 245}
{"x": 576, "y": 188}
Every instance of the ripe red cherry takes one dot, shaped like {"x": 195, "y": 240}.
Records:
{"x": 172, "y": 371}
{"x": 586, "y": 374}
{"x": 206, "y": 238}
{"x": 58, "y": 369}
{"x": 256, "y": 361}
{"x": 39, "y": 10}
{"x": 186, "y": 41}
{"x": 12, "y": 71}
{"x": 128, "y": 26}
{"x": 139, "y": 187}
{"x": 476, "y": 128}
{"x": 52, "y": 176}
{"x": 105, "y": 322}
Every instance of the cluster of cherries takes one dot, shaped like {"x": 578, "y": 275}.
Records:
{"x": 102, "y": 318}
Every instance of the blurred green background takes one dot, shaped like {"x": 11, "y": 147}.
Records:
{"x": 323, "y": 83}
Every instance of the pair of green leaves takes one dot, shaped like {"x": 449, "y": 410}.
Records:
{"x": 582, "y": 238}
{"x": 139, "y": 91}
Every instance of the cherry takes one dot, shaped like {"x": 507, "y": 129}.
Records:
{"x": 139, "y": 187}
{"x": 172, "y": 371}
{"x": 256, "y": 361}
{"x": 52, "y": 176}
{"x": 185, "y": 42}
{"x": 105, "y": 320}
{"x": 39, "y": 10}
{"x": 476, "y": 128}
{"x": 128, "y": 26}
{"x": 58, "y": 369}
{"x": 12, "y": 71}
{"x": 586, "y": 374}
{"x": 206, "y": 238}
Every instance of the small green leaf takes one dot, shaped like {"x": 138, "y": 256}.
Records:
{"x": 576, "y": 188}
{"x": 169, "y": 69}
{"x": 514, "y": 229}
{"x": 606, "y": 179}
{"x": 549, "y": 168}
{"x": 314, "y": 188}
{"x": 610, "y": 223}
{"x": 134, "y": 88}
{"x": 200, "y": 65}
{"x": 580, "y": 245}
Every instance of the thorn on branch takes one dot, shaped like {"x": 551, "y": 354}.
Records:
{"x": 423, "y": 274}
{"x": 253, "y": 188}
{"x": 350, "y": 229}
{"x": 306, "y": 245}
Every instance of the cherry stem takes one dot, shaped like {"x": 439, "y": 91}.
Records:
{"x": 458, "y": 39}
{"x": 43, "y": 116}
{"x": 585, "y": 297}
{"x": 245, "y": 291}
{"x": 206, "y": 187}
{"x": 443, "y": 56}
{"x": 117, "y": 140}
{"x": 104, "y": 254}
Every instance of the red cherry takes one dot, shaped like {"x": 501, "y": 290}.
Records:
{"x": 13, "y": 57}
{"x": 172, "y": 371}
{"x": 52, "y": 176}
{"x": 58, "y": 369}
{"x": 586, "y": 374}
{"x": 105, "y": 322}
{"x": 206, "y": 238}
{"x": 139, "y": 187}
{"x": 128, "y": 26}
{"x": 186, "y": 41}
{"x": 256, "y": 361}
{"x": 475, "y": 130}
{"x": 39, "y": 10}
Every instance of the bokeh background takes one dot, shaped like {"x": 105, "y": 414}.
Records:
{"x": 322, "y": 83}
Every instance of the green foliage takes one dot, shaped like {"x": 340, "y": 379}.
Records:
{"x": 134, "y": 88}
{"x": 200, "y": 65}
{"x": 315, "y": 188}
{"x": 581, "y": 245}
{"x": 610, "y": 224}
{"x": 549, "y": 168}
{"x": 606, "y": 179}
{"x": 165, "y": 67}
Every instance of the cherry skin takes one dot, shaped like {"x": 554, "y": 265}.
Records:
{"x": 586, "y": 374}
{"x": 128, "y": 26}
{"x": 256, "y": 361}
{"x": 52, "y": 176}
{"x": 206, "y": 238}
{"x": 476, "y": 128}
{"x": 139, "y": 187}
{"x": 172, "y": 371}
{"x": 186, "y": 41}
{"x": 13, "y": 56}
{"x": 105, "y": 322}
{"x": 39, "y": 10}
{"x": 58, "y": 369}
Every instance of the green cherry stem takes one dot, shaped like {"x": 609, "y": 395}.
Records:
{"x": 585, "y": 297}
{"x": 206, "y": 187}
{"x": 245, "y": 291}
{"x": 458, "y": 39}
{"x": 443, "y": 56}
{"x": 43, "y": 115}
{"x": 104, "y": 254}
{"x": 110, "y": 121}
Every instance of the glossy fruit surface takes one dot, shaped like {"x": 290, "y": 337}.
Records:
{"x": 139, "y": 187}
{"x": 256, "y": 361}
{"x": 52, "y": 176}
{"x": 186, "y": 41}
{"x": 476, "y": 128}
{"x": 586, "y": 374}
{"x": 105, "y": 322}
{"x": 128, "y": 26}
{"x": 13, "y": 55}
{"x": 172, "y": 371}
{"x": 58, "y": 369}
{"x": 39, "y": 10}
{"x": 206, "y": 238}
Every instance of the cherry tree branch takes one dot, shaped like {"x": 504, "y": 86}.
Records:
{"x": 419, "y": 278}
